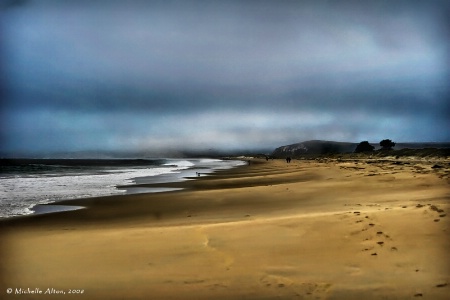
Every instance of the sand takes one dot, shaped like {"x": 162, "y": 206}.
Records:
{"x": 330, "y": 229}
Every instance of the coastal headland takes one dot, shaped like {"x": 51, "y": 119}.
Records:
{"x": 310, "y": 229}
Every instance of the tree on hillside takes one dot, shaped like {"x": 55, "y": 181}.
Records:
{"x": 364, "y": 147}
{"x": 387, "y": 144}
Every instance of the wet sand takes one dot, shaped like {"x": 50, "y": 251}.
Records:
{"x": 372, "y": 229}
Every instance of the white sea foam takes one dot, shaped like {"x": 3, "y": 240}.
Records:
{"x": 181, "y": 164}
{"x": 20, "y": 192}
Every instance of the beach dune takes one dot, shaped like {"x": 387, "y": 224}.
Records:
{"x": 331, "y": 229}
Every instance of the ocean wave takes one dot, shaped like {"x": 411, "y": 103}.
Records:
{"x": 18, "y": 194}
{"x": 180, "y": 164}
{"x": 20, "y": 190}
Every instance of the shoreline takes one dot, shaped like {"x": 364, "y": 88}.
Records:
{"x": 40, "y": 209}
{"x": 142, "y": 184}
{"x": 324, "y": 229}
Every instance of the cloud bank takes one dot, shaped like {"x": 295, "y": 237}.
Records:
{"x": 118, "y": 76}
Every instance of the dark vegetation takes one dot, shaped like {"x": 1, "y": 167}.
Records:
{"x": 387, "y": 144}
{"x": 364, "y": 147}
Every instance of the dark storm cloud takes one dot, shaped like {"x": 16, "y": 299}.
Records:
{"x": 294, "y": 69}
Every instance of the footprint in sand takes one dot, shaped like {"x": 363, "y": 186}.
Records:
{"x": 380, "y": 243}
{"x": 369, "y": 242}
{"x": 275, "y": 281}
{"x": 435, "y": 208}
{"x": 287, "y": 286}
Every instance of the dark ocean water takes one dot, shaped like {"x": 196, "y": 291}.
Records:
{"x": 26, "y": 183}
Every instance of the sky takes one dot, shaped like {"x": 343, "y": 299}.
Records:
{"x": 80, "y": 75}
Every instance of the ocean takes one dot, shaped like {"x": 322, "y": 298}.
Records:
{"x": 26, "y": 183}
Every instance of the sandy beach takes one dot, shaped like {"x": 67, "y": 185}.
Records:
{"x": 328, "y": 229}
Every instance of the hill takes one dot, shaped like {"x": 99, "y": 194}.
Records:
{"x": 314, "y": 147}
{"x": 317, "y": 147}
